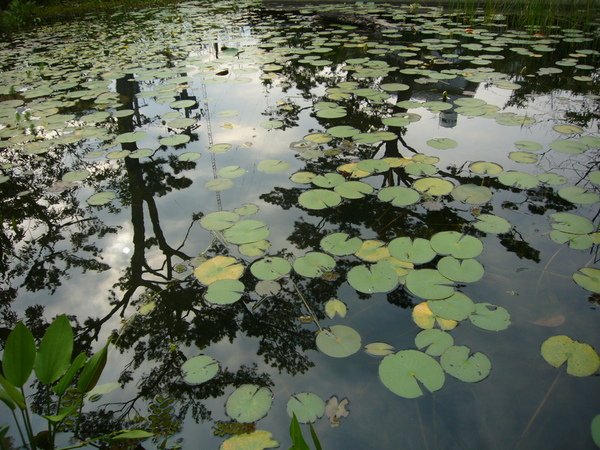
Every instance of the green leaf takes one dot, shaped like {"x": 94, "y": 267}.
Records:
{"x": 218, "y": 268}
{"x": 429, "y": 284}
{"x": 249, "y": 403}
{"x": 272, "y": 166}
{"x": 328, "y": 180}
{"x": 224, "y": 292}
{"x": 126, "y": 435}
{"x": 372, "y": 250}
{"x": 581, "y": 358}
{"x": 13, "y": 393}
{"x": 379, "y": 277}
{"x": 588, "y": 278}
{"x": 339, "y": 341}
{"x": 270, "y": 268}
{"x": 436, "y": 341}
{"x": 246, "y": 231}
{"x": 417, "y": 251}
{"x": 402, "y": 372}
{"x": 253, "y": 249}
{"x": 379, "y": 349}
{"x": 257, "y": 440}
{"x": 459, "y": 245}
{"x": 199, "y": 369}
{"x": 315, "y": 438}
{"x": 485, "y": 168}
{"x": 68, "y": 377}
{"x": 314, "y": 264}
{"x": 442, "y": 143}
{"x": 571, "y": 223}
{"x": 470, "y": 369}
{"x": 489, "y": 223}
{"x": 319, "y": 199}
{"x": 521, "y": 180}
{"x": 433, "y": 186}
{"x": 54, "y": 354}
{"x": 578, "y": 195}
{"x": 307, "y": 407}
{"x": 460, "y": 270}
{"x": 101, "y": 198}
{"x": 92, "y": 370}
{"x": 353, "y": 189}
{"x": 298, "y": 442}
{"x": 490, "y": 317}
{"x": 340, "y": 244}
{"x": 399, "y": 196}
{"x": 335, "y": 306}
{"x": 6, "y": 399}
{"x": 456, "y": 307}
{"x": 595, "y": 427}
{"x": 472, "y": 194}
{"x": 219, "y": 220}
{"x": 19, "y": 355}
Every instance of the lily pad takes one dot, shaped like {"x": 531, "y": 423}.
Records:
{"x": 75, "y": 175}
{"x": 101, "y": 198}
{"x": 219, "y": 220}
{"x": 436, "y": 341}
{"x": 485, "y": 168}
{"x": 335, "y": 307}
{"x": 246, "y": 231}
{"x": 528, "y": 146}
{"x": 221, "y": 147}
{"x": 303, "y": 177}
{"x": 588, "y": 278}
{"x": 254, "y": 249}
{"x": 399, "y": 196}
{"x": 460, "y": 270}
{"x": 429, "y": 284}
{"x": 581, "y": 358}
{"x": 442, "y": 143}
{"x": 472, "y": 194}
{"x": 319, "y": 199}
{"x": 353, "y": 189}
{"x": 523, "y": 157}
{"x": 249, "y": 403}
{"x": 328, "y": 180}
{"x": 224, "y": 292}
{"x": 571, "y": 223}
{"x": 314, "y": 264}
{"x": 343, "y": 131}
{"x": 257, "y": 440}
{"x": 307, "y": 407}
{"x": 578, "y": 195}
{"x": 380, "y": 277}
{"x": 417, "y": 251}
{"x": 231, "y": 172}
{"x": 372, "y": 250}
{"x": 267, "y": 288}
{"x": 489, "y": 223}
{"x": 406, "y": 371}
{"x": 199, "y": 369}
{"x": 270, "y": 268}
{"x": 175, "y": 140}
{"x": 490, "y": 317}
{"x": 247, "y": 209}
{"x": 521, "y": 180}
{"x": 218, "y": 268}
{"x": 426, "y": 319}
{"x": 379, "y": 349}
{"x": 272, "y": 166}
{"x": 458, "y": 362}
{"x": 339, "y": 341}
{"x": 340, "y": 244}
{"x": 433, "y": 186}
{"x": 218, "y": 184}
{"x": 456, "y": 244}
{"x": 456, "y": 307}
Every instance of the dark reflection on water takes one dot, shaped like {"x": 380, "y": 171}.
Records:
{"x": 100, "y": 264}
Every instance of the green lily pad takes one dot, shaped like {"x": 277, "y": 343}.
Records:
{"x": 456, "y": 244}
{"x": 571, "y": 223}
{"x": 75, "y": 175}
{"x": 247, "y": 209}
{"x": 272, "y": 166}
{"x": 272, "y": 124}
{"x": 528, "y": 146}
{"x": 332, "y": 113}
{"x": 314, "y": 264}
{"x": 569, "y": 147}
{"x": 199, "y": 369}
{"x": 187, "y": 156}
{"x": 373, "y": 165}
{"x": 595, "y": 427}
{"x": 335, "y": 307}
{"x": 417, "y": 251}
{"x": 224, "y": 292}
{"x": 552, "y": 179}
{"x": 343, "y": 131}
{"x": 318, "y": 138}
{"x": 588, "y": 278}
{"x": 319, "y": 199}
{"x": 181, "y": 104}
{"x": 303, "y": 177}
{"x": 575, "y": 241}
{"x": 578, "y": 195}
{"x": 249, "y": 403}
{"x": 394, "y": 87}
{"x": 257, "y": 440}
{"x": 460, "y": 270}
{"x": 380, "y": 277}
{"x": 253, "y": 249}
{"x": 490, "y": 317}
{"x": 456, "y": 307}
{"x": 101, "y": 198}
{"x": 379, "y": 349}
{"x": 372, "y": 250}
{"x": 307, "y": 407}
{"x": 218, "y": 268}
{"x": 399, "y": 196}
{"x": 581, "y": 358}
{"x": 219, "y": 220}
{"x": 246, "y": 231}
{"x": 567, "y": 129}
{"x": 521, "y": 180}
{"x": 442, "y": 143}
{"x": 221, "y": 147}
{"x": 523, "y": 157}
{"x": 340, "y": 244}
{"x": 353, "y": 189}
{"x": 128, "y": 138}
{"x": 470, "y": 369}
{"x": 402, "y": 372}
{"x": 472, "y": 194}
{"x": 429, "y": 284}
{"x": 426, "y": 319}
{"x": 419, "y": 169}
{"x": 231, "y": 172}
{"x": 218, "y": 184}
{"x": 485, "y": 168}
{"x": 436, "y": 341}
{"x": 173, "y": 141}
{"x": 270, "y": 268}
{"x": 267, "y": 288}
{"x": 328, "y": 180}
{"x": 489, "y": 223}
{"x": 339, "y": 341}
{"x": 433, "y": 186}
{"x": 181, "y": 122}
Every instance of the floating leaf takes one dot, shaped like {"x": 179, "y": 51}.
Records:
{"x": 521, "y": 180}
{"x": 456, "y": 307}
{"x": 272, "y": 166}
{"x": 246, "y": 209}
{"x": 307, "y": 407}
{"x": 335, "y": 306}
{"x": 267, "y": 288}
{"x": 456, "y": 244}
{"x": 303, "y": 177}
{"x": 246, "y": 231}
{"x": 314, "y": 264}
{"x": 270, "y": 268}
{"x": 219, "y": 220}
{"x": 231, "y": 172}
{"x": 249, "y": 403}
{"x": 339, "y": 341}
{"x": 569, "y": 147}
{"x": 588, "y": 278}
{"x": 318, "y": 138}
{"x": 257, "y": 440}
{"x": 221, "y": 147}
{"x": 489, "y": 223}
{"x": 567, "y": 129}
{"x": 523, "y": 157}
{"x": 218, "y": 268}
{"x": 433, "y": 186}
{"x": 75, "y": 175}
{"x": 380, "y": 277}
{"x": 199, "y": 369}
{"x": 175, "y": 140}
{"x": 399, "y": 196}
{"x": 425, "y": 318}
{"x": 472, "y": 194}
{"x": 319, "y": 199}
{"x": 578, "y": 195}
{"x": 101, "y": 198}
{"x": 218, "y": 184}
{"x": 402, "y": 372}
{"x": 379, "y": 349}
{"x": 595, "y": 426}
{"x": 442, "y": 143}
{"x": 343, "y": 131}
{"x": 328, "y": 180}
{"x": 470, "y": 369}
{"x": 436, "y": 341}
{"x": 490, "y": 317}
{"x": 372, "y": 250}
{"x": 254, "y": 249}
{"x": 353, "y": 189}
{"x": 418, "y": 251}
{"x": 340, "y": 244}
{"x": 462, "y": 271}
{"x": 528, "y": 146}
{"x": 224, "y": 292}
{"x": 581, "y": 358}
{"x": 550, "y": 321}
{"x": 485, "y": 168}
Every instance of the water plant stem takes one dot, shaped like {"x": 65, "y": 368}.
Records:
{"x": 310, "y": 311}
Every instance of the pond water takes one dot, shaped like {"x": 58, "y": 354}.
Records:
{"x": 150, "y": 159}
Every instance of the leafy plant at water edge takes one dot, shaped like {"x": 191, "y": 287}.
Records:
{"x": 298, "y": 442}
{"x": 53, "y": 366}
